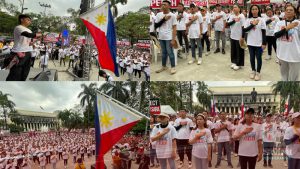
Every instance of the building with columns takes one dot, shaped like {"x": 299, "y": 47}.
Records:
{"x": 34, "y": 121}
{"x": 229, "y": 98}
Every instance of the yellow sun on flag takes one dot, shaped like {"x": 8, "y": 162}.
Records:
{"x": 124, "y": 119}
{"x": 106, "y": 119}
{"x": 100, "y": 19}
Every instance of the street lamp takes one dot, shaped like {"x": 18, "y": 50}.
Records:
{"x": 45, "y": 6}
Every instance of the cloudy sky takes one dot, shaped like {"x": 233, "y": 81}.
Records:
{"x": 49, "y": 95}
{"x": 59, "y": 7}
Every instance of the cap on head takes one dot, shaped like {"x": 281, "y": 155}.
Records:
{"x": 163, "y": 115}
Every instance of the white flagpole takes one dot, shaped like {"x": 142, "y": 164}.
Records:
{"x": 123, "y": 105}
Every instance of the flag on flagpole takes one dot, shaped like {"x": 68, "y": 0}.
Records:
{"x": 242, "y": 107}
{"x": 286, "y": 106}
{"x": 112, "y": 122}
{"x": 212, "y": 108}
{"x": 100, "y": 24}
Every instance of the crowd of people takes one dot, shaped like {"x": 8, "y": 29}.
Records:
{"x": 253, "y": 137}
{"x": 134, "y": 62}
{"x": 25, "y": 151}
{"x": 131, "y": 148}
{"x": 257, "y": 28}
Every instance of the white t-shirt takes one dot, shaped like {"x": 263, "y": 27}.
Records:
{"x": 21, "y": 43}
{"x": 254, "y": 37}
{"x": 206, "y": 22}
{"x": 210, "y": 125}
{"x": 152, "y": 20}
{"x": 271, "y": 26}
{"x": 194, "y": 28}
{"x": 200, "y": 148}
{"x": 236, "y": 28}
{"x": 285, "y": 45}
{"x": 184, "y": 131}
{"x": 269, "y": 132}
{"x": 44, "y": 59}
{"x": 248, "y": 143}
{"x": 166, "y": 29}
{"x": 219, "y": 24}
{"x": 61, "y": 53}
{"x": 292, "y": 150}
{"x": 164, "y": 145}
{"x": 181, "y": 22}
{"x": 223, "y": 135}
{"x": 282, "y": 15}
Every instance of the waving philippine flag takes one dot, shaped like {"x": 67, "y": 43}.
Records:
{"x": 112, "y": 122}
{"x": 100, "y": 23}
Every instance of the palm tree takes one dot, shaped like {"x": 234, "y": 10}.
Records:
{"x": 15, "y": 117}
{"x": 114, "y": 3}
{"x": 6, "y": 104}
{"x": 117, "y": 90}
{"x": 203, "y": 94}
{"x": 286, "y": 89}
{"x": 88, "y": 97}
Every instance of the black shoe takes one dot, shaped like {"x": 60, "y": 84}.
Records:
{"x": 270, "y": 165}
{"x": 217, "y": 50}
{"x": 209, "y": 164}
{"x": 223, "y": 51}
{"x": 217, "y": 165}
{"x": 265, "y": 165}
{"x": 230, "y": 165}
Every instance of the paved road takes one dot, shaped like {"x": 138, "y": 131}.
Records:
{"x": 215, "y": 67}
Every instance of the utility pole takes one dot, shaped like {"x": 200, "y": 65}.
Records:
{"x": 45, "y": 6}
{"x": 22, "y": 7}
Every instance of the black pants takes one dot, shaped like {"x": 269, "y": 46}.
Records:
{"x": 59, "y": 156}
{"x": 293, "y": 163}
{"x": 237, "y": 53}
{"x": 247, "y": 162}
{"x": 32, "y": 59}
{"x": 255, "y": 53}
{"x": 71, "y": 60}
{"x": 62, "y": 60}
{"x": 183, "y": 146}
{"x": 271, "y": 41}
{"x": 268, "y": 149}
{"x": 20, "y": 71}
{"x": 66, "y": 162}
{"x": 181, "y": 34}
{"x": 137, "y": 71}
{"x": 48, "y": 159}
{"x": 206, "y": 39}
{"x": 236, "y": 146}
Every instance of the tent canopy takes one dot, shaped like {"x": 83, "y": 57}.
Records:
{"x": 167, "y": 109}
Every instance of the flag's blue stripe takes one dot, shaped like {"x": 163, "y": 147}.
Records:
{"x": 97, "y": 129}
{"x": 111, "y": 39}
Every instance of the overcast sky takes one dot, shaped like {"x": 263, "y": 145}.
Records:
{"x": 49, "y": 95}
{"x": 59, "y": 7}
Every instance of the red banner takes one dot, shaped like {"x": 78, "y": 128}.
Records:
{"x": 187, "y": 3}
{"x": 154, "y": 106}
{"x": 123, "y": 43}
{"x": 143, "y": 44}
{"x": 155, "y": 4}
{"x": 260, "y": 2}
{"x": 232, "y": 2}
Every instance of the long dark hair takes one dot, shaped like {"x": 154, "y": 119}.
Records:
{"x": 201, "y": 115}
{"x": 250, "y": 13}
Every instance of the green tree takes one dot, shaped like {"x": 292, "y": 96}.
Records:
{"x": 140, "y": 127}
{"x": 117, "y": 90}
{"x": 88, "y": 97}
{"x": 7, "y": 106}
{"x": 15, "y": 117}
{"x": 286, "y": 89}
{"x": 203, "y": 94}
{"x": 70, "y": 119}
{"x": 132, "y": 26}
{"x": 8, "y": 23}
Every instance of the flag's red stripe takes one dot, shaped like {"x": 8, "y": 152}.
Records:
{"x": 104, "y": 55}
{"x": 109, "y": 139}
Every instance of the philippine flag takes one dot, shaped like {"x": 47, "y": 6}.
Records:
{"x": 100, "y": 24}
{"x": 112, "y": 122}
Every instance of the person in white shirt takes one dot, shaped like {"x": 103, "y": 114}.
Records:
{"x": 255, "y": 25}
{"x": 72, "y": 57}
{"x": 250, "y": 145}
{"x": 65, "y": 156}
{"x": 271, "y": 21}
{"x": 287, "y": 33}
{"x": 34, "y": 54}
{"x": 42, "y": 160}
{"x": 22, "y": 50}
{"x": 224, "y": 130}
{"x": 194, "y": 29}
{"x": 292, "y": 141}
{"x": 219, "y": 21}
{"x": 236, "y": 22}
{"x": 269, "y": 130}
{"x": 183, "y": 125}
{"x": 152, "y": 21}
{"x": 44, "y": 61}
{"x": 181, "y": 17}
{"x": 53, "y": 160}
{"x": 211, "y": 127}
{"x": 164, "y": 136}
{"x": 202, "y": 140}
{"x": 61, "y": 55}
{"x": 206, "y": 30}
{"x": 166, "y": 22}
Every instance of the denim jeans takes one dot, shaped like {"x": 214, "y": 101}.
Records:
{"x": 193, "y": 45}
{"x": 268, "y": 148}
{"x": 293, "y": 163}
{"x": 167, "y": 50}
{"x": 163, "y": 163}
{"x": 255, "y": 52}
{"x": 225, "y": 145}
